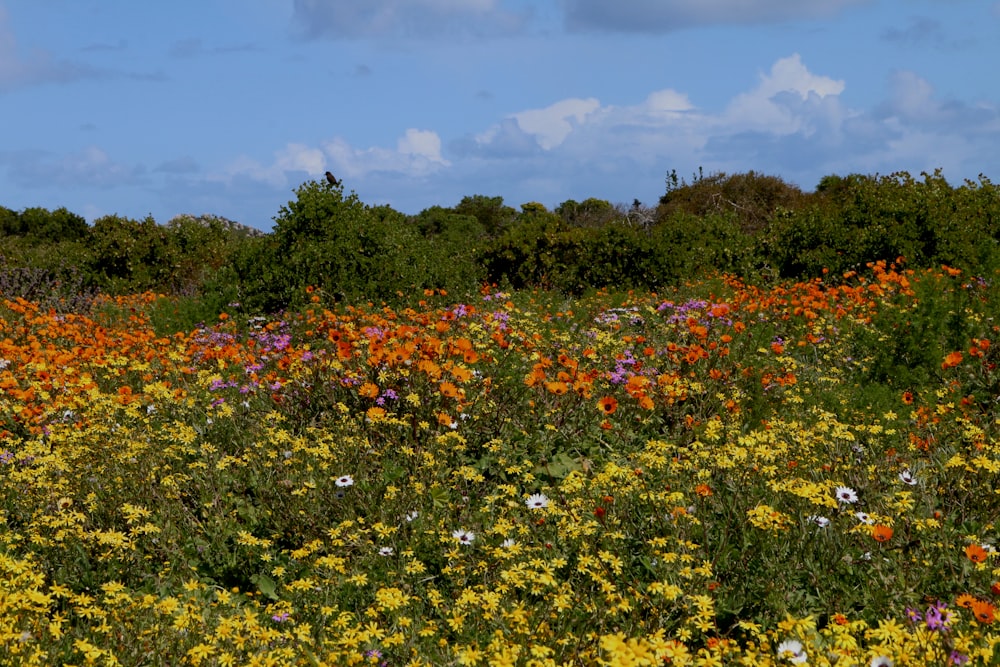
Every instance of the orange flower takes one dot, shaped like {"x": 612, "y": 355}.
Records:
{"x": 965, "y": 600}
{"x": 953, "y": 359}
{"x": 983, "y": 611}
{"x": 607, "y": 404}
{"x": 908, "y": 398}
{"x": 976, "y": 553}
{"x": 557, "y": 388}
{"x": 703, "y": 490}
{"x": 882, "y": 533}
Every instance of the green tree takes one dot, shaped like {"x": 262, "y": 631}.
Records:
{"x": 58, "y": 225}
{"x": 351, "y": 251}
{"x": 131, "y": 255}
{"x": 491, "y": 212}
{"x": 751, "y": 197}
{"x": 445, "y": 224}
{"x": 588, "y": 213}
{"x": 10, "y": 222}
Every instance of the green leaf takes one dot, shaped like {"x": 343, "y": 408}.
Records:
{"x": 265, "y": 585}
{"x": 439, "y": 497}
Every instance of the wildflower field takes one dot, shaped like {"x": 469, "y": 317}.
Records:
{"x": 793, "y": 473}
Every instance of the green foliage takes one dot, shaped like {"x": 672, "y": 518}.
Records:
{"x": 445, "y": 224}
{"x": 751, "y": 198}
{"x": 690, "y": 245}
{"x": 906, "y": 340}
{"x": 204, "y": 248}
{"x": 855, "y": 220}
{"x": 43, "y": 225}
{"x": 541, "y": 249}
{"x": 10, "y": 222}
{"x": 131, "y": 255}
{"x": 588, "y": 213}
{"x": 536, "y": 250}
{"x": 349, "y": 250}
{"x": 491, "y": 212}
{"x": 749, "y": 224}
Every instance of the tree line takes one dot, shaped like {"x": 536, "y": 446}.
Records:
{"x": 755, "y": 225}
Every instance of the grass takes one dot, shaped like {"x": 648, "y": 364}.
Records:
{"x": 725, "y": 474}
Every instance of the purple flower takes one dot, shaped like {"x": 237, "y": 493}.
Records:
{"x": 913, "y": 615}
{"x": 957, "y": 658}
{"x": 938, "y": 617}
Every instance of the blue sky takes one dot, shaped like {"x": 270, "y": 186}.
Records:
{"x": 225, "y": 106}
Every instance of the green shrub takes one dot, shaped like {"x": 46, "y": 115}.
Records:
{"x": 348, "y": 250}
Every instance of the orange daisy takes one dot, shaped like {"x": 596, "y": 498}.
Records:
{"x": 983, "y": 611}
{"x": 607, "y": 404}
{"x": 976, "y": 553}
{"x": 557, "y": 388}
{"x": 965, "y": 600}
{"x": 882, "y": 533}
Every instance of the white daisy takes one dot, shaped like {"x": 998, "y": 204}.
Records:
{"x": 820, "y": 521}
{"x": 412, "y": 515}
{"x": 537, "y": 501}
{"x": 508, "y": 543}
{"x": 864, "y": 518}
{"x": 906, "y": 477}
{"x": 345, "y": 480}
{"x": 846, "y": 494}
{"x": 793, "y": 651}
{"x": 464, "y": 536}
{"x": 881, "y": 661}
{"x": 385, "y": 551}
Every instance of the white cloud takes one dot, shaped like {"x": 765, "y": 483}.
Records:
{"x": 417, "y": 154}
{"x": 786, "y": 100}
{"x": 668, "y": 101}
{"x": 790, "y": 121}
{"x": 774, "y": 104}
{"x": 298, "y": 157}
{"x": 291, "y": 159}
{"x": 551, "y": 125}
{"x": 421, "y": 143}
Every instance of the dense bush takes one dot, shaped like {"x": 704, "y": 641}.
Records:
{"x": 329, "y": 241}
{"x": 856, "y": 220}
{"x": 751, "y": 198}
{"x": 754, "y": 225}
